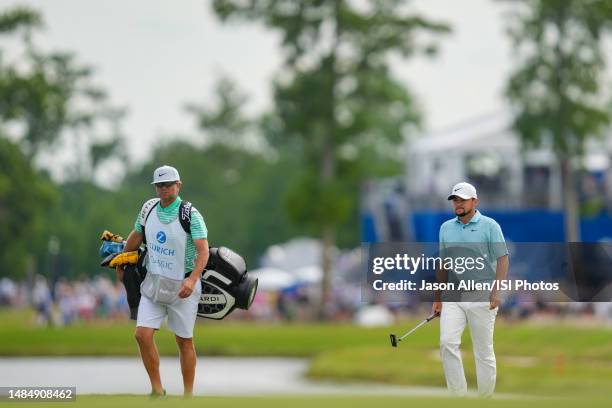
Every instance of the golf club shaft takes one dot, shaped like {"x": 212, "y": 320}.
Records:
{"x": 414, "y": 329}
{"x": 419, "y": 325}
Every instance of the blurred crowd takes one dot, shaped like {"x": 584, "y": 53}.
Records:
{"x": 98, "y": 298}
{"x": 101, "y": 298}
{"x": 65, "y": 302}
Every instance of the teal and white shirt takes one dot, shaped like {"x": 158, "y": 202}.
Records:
{"x": 170, "y": 214}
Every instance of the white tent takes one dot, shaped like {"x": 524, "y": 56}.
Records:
{"x": 373, "y": 316}
{"x": 273, "y": 278}
{"x": 309, "y": 274}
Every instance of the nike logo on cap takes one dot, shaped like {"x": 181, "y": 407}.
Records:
{"x": 161, "y": 174}
{"x": 457, "y": 189}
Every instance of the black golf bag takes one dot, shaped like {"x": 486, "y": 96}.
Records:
{"x": 225, "y": 284}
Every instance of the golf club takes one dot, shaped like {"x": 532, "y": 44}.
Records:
{"x": 395, "y": 339}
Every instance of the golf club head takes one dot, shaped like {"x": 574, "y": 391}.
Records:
{"x": 393, "y": 340}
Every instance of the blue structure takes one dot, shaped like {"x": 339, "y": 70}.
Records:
{"x": 518, "y": 226}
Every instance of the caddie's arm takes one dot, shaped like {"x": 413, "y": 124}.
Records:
{"x": 501, "y": 271}
{"x": 133, "y": 242}
{"x": 201, "y": 246}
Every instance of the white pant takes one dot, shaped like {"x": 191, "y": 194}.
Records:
{"x": 481, "y": 320}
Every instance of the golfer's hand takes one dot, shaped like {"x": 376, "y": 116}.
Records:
{"x": 120, "y": 271}
{"x": 436, "y": 308}
{"x": 187, "y": 288}
{"x": 493, "y": 300}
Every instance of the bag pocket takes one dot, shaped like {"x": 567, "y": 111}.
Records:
{"x": 161, "y": 289}
{"x": 167, "y": 290}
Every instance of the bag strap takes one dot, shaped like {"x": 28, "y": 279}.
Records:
{"x": 144, "y": 235}
{"x": 185, "y": 216}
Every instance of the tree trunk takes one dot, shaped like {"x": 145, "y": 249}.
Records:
{"x": 328, "y": 231}
{"x": 570, "y": 200}
{"x": 328, "y": 240}
{"x": 328, "y": 174}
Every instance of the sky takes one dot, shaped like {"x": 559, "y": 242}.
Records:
{"x": 154, "y": 56}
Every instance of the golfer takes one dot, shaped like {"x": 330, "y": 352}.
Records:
{"x": 483, "y": 237}
{"x": 172, "y": 287}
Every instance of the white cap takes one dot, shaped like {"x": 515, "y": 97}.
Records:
{"x": 165, "y": 173}
{"x": 463, "y": 190}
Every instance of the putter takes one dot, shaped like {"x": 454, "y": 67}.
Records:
{"x": 395, "y": 339}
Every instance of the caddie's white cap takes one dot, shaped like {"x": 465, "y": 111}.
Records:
{"x": 463, "y": 190}
{"x": 165, "y": 173}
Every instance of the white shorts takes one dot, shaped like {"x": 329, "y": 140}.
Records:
{"x": 181, "y": 314}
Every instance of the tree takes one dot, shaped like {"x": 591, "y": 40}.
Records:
{"x": 19, "y": 19}
{"x": 48, "y": 102}
{"x": 225, "y": 123}
{"x": 337, "y": 100}
{"x": 25, "y": 197}
{"x": 557, "y": 90}
{"x": 242, "y": 177}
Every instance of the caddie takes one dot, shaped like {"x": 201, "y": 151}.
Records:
{"x": 176, "y": 257}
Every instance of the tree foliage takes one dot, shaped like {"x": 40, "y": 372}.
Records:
{"x": 226, "y": 122}
{"x": 25, "y": 197}
{"x": 48, "y": 101}
{"x": 336, "y": 98}
{"x": 558, "y": 89}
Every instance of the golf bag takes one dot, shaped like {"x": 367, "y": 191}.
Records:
{"x": 226, "y": 284}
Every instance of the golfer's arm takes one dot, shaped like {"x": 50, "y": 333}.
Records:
{"x": 501, "y": 271}
{"x": 201, "y": 258}
{"x": 441, "y": 277}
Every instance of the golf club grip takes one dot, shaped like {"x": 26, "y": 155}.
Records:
{"x": 433, "y": 316}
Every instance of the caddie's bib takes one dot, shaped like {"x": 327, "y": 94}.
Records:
{"x": 166, "y": 247}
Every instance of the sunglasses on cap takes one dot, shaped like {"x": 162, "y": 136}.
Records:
{"x": 165, "y": 184}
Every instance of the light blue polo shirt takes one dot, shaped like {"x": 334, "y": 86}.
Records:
{"x": 481, "y": 236}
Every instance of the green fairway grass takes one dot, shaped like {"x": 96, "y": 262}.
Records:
{"x": 530, "y": 375}
{"x": 549, "y": 360}
{"x": 99, "y": 401}
{"x": 19, "y": 337}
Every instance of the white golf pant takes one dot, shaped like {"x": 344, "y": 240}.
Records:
{"x": 481, "y": 320}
